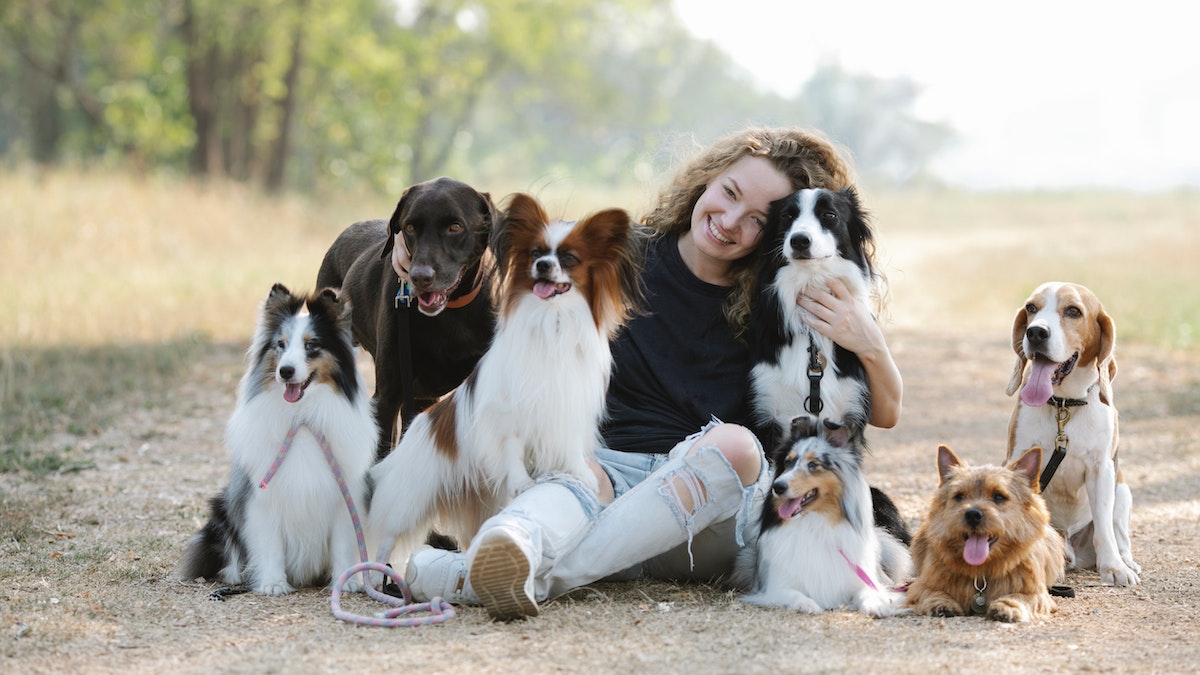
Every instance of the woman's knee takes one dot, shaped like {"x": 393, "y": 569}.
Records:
{"x": 740, "y": 447}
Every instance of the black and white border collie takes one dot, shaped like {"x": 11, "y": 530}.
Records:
{"x": 535, "y": 400}
{"x": 818, "y": 546}
{"x": 301, "y": 389}
{"x": 811, "y": 237}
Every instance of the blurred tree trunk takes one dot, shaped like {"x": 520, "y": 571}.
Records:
{"x": 203, "y": 65}
{"x": 280, "y": 151}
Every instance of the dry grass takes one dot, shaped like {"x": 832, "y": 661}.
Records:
{"x": 128, "y": 301}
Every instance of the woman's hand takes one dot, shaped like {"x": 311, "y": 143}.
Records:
{"x": 839, "y": 316}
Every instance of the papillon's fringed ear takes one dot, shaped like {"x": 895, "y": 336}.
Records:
{"x": 1106, "y": 360}
{"x": 1018, "y": 341}
{"x": 521, "y": 213}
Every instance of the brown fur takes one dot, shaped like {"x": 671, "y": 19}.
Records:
{"x": 1025, "y": 556}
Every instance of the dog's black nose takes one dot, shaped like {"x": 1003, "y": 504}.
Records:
{"x": 544, "y": 266}
{"x": 779, "y": 487}
{"x": 1037, "y": 333}
{"x": 973, "y": 517}
{"x": 800, "y": 242}
{"x": 422, "y": 276}
{"x": 286, "y": 372}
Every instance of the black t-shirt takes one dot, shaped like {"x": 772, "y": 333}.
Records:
{"x": 677, "y": 365}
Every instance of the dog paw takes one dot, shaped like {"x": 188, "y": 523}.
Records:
{"x": 1119, "y": 575}
{"x": 353, "y": 584}
{"x": 944, "y": 611}
{"x": 807, "y": 605}
{"x": 279, "y": 587}
{"x": 1008, "y": 611}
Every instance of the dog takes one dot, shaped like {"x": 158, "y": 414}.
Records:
{"x": 987, "y": 546}
{"x": 423, "y": 348}
{"x": 1065, "y": 343}
{"x": 819, "y": 547}
{"x": 534, "y": 402}
{"x": 301, "y": 389}
{"x": 812, "y": 236}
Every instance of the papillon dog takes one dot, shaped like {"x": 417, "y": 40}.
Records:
{"x": 300, "y": 395}
{"x": 534, "y": 402}
{"x": 818, "y": 546}
{"x": 812, "y": 237}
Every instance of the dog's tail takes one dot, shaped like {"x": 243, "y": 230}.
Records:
{"x": 887, "y": 516}
{"x": 210, "y": 550}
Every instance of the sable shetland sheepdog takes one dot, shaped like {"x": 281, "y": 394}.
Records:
{"x": 812, "y": 236}
{"x": 818, "y": 547}
{"x": 301, "y": 383}
{"x": 534, "y": 401}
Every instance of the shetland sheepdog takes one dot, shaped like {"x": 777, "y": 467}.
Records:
{"x": 812, "y": 236}
{"x": 534, "y": 402}
{"x": 301, "y": 389}
{"x": 818, "y": 546}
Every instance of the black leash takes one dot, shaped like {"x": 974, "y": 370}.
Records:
{"x": 1062, "y": 415}
{"x": 816, "y": 368}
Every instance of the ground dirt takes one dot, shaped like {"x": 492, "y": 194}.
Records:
{"x": 88, "y": 555}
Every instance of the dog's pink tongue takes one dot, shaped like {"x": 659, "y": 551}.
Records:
{"x": 789, "y": 508}
{"x": 544, "y": 289}
{"x": 293, "y": 392}
{"x": 975, "y": 551}
{"x": 1038, "y": 389}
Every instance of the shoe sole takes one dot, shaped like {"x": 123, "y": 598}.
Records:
{"x": 498, "y": 575}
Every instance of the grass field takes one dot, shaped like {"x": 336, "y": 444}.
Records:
{"x": 110, "y": 281}
{"x": 127, "y": 302}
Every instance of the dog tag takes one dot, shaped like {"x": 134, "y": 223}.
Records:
{"x": 979, "y": 603}
{"x": 404, "y": 294}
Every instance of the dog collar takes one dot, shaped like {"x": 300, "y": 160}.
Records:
{"x": 467, "y": 299}
{"x": 1067, "y": 402}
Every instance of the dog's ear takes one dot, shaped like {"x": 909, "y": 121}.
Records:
{"x": 397, "y": 219}
{"x": 1029, "y": 465}
{"x": 837, "y": 435}
{"x": 946, "y": 462}
{"x": 803, "y": 426}
{"x": 1018, "y": 341}
{"x": 1106, "y": 360}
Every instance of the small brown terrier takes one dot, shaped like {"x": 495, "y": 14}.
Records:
{"x": 987, "y": 546}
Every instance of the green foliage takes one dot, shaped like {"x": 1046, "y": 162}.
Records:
{"x": 377, "y": 94}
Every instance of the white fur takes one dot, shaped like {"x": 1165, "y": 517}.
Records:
{"x": 799, "y": 564}
{"x": 781, "y": 388}
{"x": 299, "y": 525}
{"x": 535, "y": 406}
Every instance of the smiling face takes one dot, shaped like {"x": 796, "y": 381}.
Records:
{"x": 728, "y": 218}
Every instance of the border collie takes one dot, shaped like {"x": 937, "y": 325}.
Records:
{"x": 534, "y": 402}
{"x": 301, "y": 391}
{"x": 819, "y": 547}
{"x": 811, "y": 236}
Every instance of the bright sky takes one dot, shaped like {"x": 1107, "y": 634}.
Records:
{"x": 1043, "y": 93}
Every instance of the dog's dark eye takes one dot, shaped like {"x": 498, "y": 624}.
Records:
{"x": 813, "y": 465}
{"x": 1030, "y": 309}
{"x": 1072, "y": 312}
{"x": 280, "y": 345}
{"x": 312, "y": 348}
{"x": 568, "y": 260}
{"x": 829, "y": 217}
{"x": 958, "y": 496}
{"x": 999, "y": 497}
{"x": 409, "y": 229}
{"x": 455, "y": 228}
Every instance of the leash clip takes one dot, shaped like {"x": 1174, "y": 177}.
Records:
{"x": 404, "y": 294}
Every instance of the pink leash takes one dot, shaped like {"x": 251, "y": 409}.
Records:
{"x": 439, "y": 610}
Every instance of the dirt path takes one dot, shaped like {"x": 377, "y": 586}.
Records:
{"x": 87, "y": 558}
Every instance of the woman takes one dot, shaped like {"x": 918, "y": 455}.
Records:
{"x": 666, "y": 507}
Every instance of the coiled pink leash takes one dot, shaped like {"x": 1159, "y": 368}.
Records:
{"x": 439, "y": 611}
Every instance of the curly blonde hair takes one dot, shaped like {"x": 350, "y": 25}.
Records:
{"x": 805, "y": 156}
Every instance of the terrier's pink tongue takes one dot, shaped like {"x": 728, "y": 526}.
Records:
{"x": 1038, "y": 389}
{"x": 975, "y": 551}
{"x": 293, "y": 392}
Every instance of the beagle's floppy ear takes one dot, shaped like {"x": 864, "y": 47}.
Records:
{"x": 1018, "y": 341}
{"x": 1106, "y": 360}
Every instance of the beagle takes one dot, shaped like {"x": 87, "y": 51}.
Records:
{"x": 1064, "y": 341}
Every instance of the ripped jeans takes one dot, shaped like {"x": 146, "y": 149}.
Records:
{"x": 647, "y": 531}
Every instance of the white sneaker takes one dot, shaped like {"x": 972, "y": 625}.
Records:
{"x": 501, "y": 576}
{"x": 434, "y": 572}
